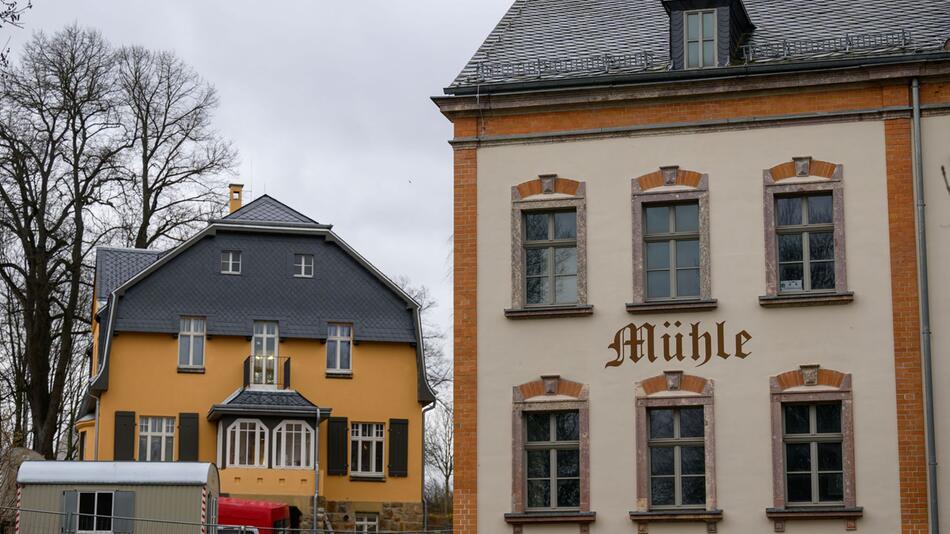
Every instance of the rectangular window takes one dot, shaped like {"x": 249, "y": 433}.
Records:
{"x": 156, "y": 439}
{"x": 95, "y": 512}
{"x": 367, "y": 523}
{"x": 303, "y": 265}
{"x": 231, "y": 262}
{"x": 700, "y": 39}
{"x": 339, "y": 345}
{"x": 813, "y": 439}
{"x": 550, "y": 249}
{"x": 366, "y": 449}
{"x": 671, "y": 250}
{"x": 191, "y": 342}
{"x": 264, "y": 353}
{"x": 677, "y": 458}
{"x": 552, "y": 451}
{"x": 806, "y": 243}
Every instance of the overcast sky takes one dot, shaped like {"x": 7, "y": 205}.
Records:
{"x": 327, "y": 103}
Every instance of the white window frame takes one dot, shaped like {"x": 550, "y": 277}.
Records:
{"x": 264, "y": 337}
{"x": 280, "y": 447}
{"x": 334, "y": 341}
{"x": 702, "y": 42}
{"x": 230, "y": 262}
{"x": 378, "y": 436}
{"x": 190, "y": 335}
{"x": 303, "y": 265}
{"x": 234, "y": 439}
{"x": 95, "y": 513}
{"x": 367, "y": 522}
{"x": 166, "y": 431}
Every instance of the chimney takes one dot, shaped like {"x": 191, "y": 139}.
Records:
{"x": 235, "y": 197}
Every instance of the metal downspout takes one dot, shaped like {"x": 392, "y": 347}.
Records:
{"x": 924, "y": 294}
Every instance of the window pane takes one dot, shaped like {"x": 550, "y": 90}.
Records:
{"x": 331, "y": 354}
{"x": 539, "y": 493}
{"x": 661, "y": 424}
{"x": 821, "y": 246}
{"x": 538, "y": 290}
{"x": 709, "y": 25}
{"x": 799, "y": 488}
{"x": 687, "y": 282}
{"x": 536, "y": 261}
{"x": 143, "y": 448}
{"x": 661, "y": 461}
{"x": 355, "y": 455}
{"x": 539, "y": 463}
{"x": 829, "y": 456}
{"x": 565, "y": 225}
{"x": 687, "y": 253}
{"x": 565, "y": 289}
{"x": 198, "y": 351}
{"x": 692, "y": 26}
{"x": 661, "y": 491}
{"x": 687, "y": 217}
{"x": 790, "y": 247}
{"x": 796, "y": 418}
{"x": 379, "y": 456}
{"x": 791, "y": 277}
{"x": 536, "y": 226}
{"x": 568, "y": 463}
{"x": 830, "y": 487}
{"x": 87, "y": 507}
{"x": 823, "y": 275}
{"x": 691, "y": 422}
{"x": 658, "y": 284}
{"x": 183, "y": 346}
{"x": 104, "y": 508}
{"x": 539, "y": 427}
{"x": 797, "y": 457}
{"x": 694, "y": 490}
{"x": 568, "y": 493}
{"x": 169, "y": 449}
{"x": 692, "y": 54}
{"x": 366, "y": 453}
{"x": 788, "y": 210}
{"x": 567, "y": 428}
{"x": 344, "y": 355}
{"x": 820, "y": 209}
{"x": 829, "y": 418}
{"x": 658, "y": 219}
{"x": 565, "y": 260}
{"x": 709, "y": 53}
{"x": 692, "y": 460}
{"x": 658, "y": 255}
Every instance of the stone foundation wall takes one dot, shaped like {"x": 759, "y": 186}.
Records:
{"x": 393, "y": 516}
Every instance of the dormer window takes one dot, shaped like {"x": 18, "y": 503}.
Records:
{"x": 700, "y": 39}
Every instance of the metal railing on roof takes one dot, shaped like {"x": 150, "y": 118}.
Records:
{"x": 811, "y": 48}
{"x": 605, "y": 63}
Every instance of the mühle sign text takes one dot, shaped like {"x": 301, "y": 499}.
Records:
{"x": 677, "y": 343}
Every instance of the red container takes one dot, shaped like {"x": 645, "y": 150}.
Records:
{"x": 268, "y": 517}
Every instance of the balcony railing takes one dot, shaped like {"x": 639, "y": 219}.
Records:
{"x": 263, "y": 370}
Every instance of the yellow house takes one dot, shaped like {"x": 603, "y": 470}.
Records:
{"x": 264, "y": 344}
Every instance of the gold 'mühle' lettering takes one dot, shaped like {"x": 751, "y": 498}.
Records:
{"x": 636, "y": 342}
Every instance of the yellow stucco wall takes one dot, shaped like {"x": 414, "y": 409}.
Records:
{"x": 143, "y": 378}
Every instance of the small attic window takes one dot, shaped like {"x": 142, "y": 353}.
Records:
{"x": 700, "y": 37}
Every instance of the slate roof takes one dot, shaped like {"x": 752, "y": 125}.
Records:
{"x": 535, "y": 30}
{"x": 266, "y": 210}
{"x": 116, "y": 265}
{"x": 280, "y": 398}
{"x": 280, "y": 403}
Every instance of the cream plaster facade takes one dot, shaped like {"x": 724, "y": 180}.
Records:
{"x": 854, "y": 338}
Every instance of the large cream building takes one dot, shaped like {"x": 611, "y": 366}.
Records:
{"x": 689, "y": 290}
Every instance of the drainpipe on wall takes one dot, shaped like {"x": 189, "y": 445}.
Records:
{"x": 924, "y": 294}
{"x": 95, "y": 449}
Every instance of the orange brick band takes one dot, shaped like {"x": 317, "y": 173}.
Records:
{"x": 465, "y": 519}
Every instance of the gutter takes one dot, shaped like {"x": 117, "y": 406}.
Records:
{"x": 923, "y": 289}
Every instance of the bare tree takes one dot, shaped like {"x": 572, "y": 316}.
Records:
{"x": 438, "y": 450}
{"x": 438, "y": 365}
{"x": 60, "y": 139}
{"x": 176, "y": 158}
{"x": 11, "y": 14}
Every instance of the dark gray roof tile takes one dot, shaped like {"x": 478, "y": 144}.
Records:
{"x": 115, "y": 266}
{"x": 279, "y": 398}
{"x": 265, "y": 209}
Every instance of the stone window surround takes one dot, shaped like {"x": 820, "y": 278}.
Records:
{"x": 547, "y": 192}
{"x": 804, "y": 175}
{"x": 669, "y": 185}
{"x": 550, "y": 393}
{"x": 811, "y": 384}
{"x": 673, "y": 389}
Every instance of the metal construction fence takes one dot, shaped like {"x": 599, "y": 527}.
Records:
{"x": 52, "y": 521}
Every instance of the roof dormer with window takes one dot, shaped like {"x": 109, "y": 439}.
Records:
{"x": 706, "y": 33}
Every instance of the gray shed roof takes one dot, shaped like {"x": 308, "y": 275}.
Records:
{"x": 552, "y": 30}
{"x": 118, "y": 473}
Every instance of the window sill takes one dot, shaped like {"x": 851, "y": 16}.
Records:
{"x": 780, "y": 515}
{"x": 672, "y": 305}
{"x": 191, "y": 370}
{"x": 686, "y": 515}
{"x": 367, "y": 478}
{"x": 545, "y": 312}
{"x": 339, "y": 375}
{"x": 805, "y": 299}
{"x": 553, "y": 516}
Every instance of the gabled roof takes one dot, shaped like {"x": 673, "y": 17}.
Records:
{"x": 265, "y": 210}
{"x": 116, "y": 265}
{"x": 559, "y": 30}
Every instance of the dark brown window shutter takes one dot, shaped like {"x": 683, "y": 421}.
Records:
{"x": 187, "y": 437}
{"x": 398, "y": 447}
{"x": 124, "y": 443}
{"x": 337, "y": 446}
